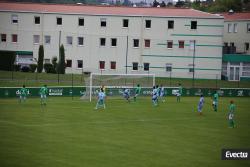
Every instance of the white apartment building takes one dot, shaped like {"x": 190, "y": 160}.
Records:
{"x": 107, "y": 39}
{"x": 236, "y": 58}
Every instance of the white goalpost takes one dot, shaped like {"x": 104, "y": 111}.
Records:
{"x": 97, "y": 80}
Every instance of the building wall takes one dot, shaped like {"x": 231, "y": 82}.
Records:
{"x": 207, "y": 55}
{"x": 238, "y": 36}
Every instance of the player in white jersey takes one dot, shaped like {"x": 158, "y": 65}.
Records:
{"x": 126, "y": 94}
{"x": 101, "y": 100}
{"x": 155, "y": 96}
{"x": 200, "y": 104}
{"x": 162, "y": 93}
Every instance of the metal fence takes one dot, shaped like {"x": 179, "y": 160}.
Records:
{"x": 17, "y": 79}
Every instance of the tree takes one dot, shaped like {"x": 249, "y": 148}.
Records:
{"x": 61, "y": 63}
{"x": 118, "y": 3}
{"x": 170, "y": 4}
{"x": 180, "y": 4}
{"x": 54, "y": 63}
{"x": 246, "y": 5}
{"x": 220, "y": 5}
{"x": 40, "y": 59}
{"x": 126, "y": 3}
{"x": 163, "y": 4}
{"x": 155, "y": 3}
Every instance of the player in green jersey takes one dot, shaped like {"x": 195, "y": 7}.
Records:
{"x": 215, "y": 101}
{"x": 231, "y": 121}
{"x": 137, "y": 91}
{"x": 23, "y": 94}
{"x": 179, "y": 93}
{"x": 43, "y": 92}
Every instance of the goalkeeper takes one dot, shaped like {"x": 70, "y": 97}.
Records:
{"x": 137, "y": 91}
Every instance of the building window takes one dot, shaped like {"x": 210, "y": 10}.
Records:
{"x": 102, "y": 41}
{"x": 148, "y": 23}
{"x": 136, "y": 43}
{"x": 135, "y": 66}
{"x": 80, "y": 41}
{"x": 79, "y": 63}
{"x": 37, "y": 19}
{"x": 235, "y": 27}
{"x": 191, "y": 44}
{"x": 101, "y": 65}
{"x": 69, "y": 63}
{"x": 80, "y": 21}
{"x": 14, "y": 38}
{"x": 247, "y": 46}
{"x": 146, "y": 66}
{"x": 69, "y": 40}
{"x": 191, "y": 67}
{"x": 170, "y": 24}
{"x": 14, "y": 19}
{"x": 147, "y": 43}
{"x": 47, "y": 39}
{"x": 246, "y": 69}
{"x": 224, "y": 69}
{"x": 113, "y": 42}
{"x": 3, "y": 37}
{"x": 112, "y": 65}
{"x": 125, "y": 23}
{"x": 235, "y": 63}
{"x": 36, "y": 39}
{"x": 193, "y": 25}
{"x": 46, "y": 61}
{"x": 103, "y": 22}
{"x": 248, "y": 27}
{"x": 169, "y": 44}
{"x": 168, "y": 67}
{"x": 59, "y": 21}
{"x": 230, "y": 27}
{"x": 181, "y": 44}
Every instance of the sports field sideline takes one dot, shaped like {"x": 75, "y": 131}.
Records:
{"x": 69, "y": 132}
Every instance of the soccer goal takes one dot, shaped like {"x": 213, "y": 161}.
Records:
{"x": 98, "y": 80}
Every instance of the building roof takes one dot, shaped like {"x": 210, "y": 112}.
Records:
{"x": 104, "y": 10}
{"x": 236, "y": 16}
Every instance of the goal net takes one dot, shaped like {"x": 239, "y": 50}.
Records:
{"x": 118, "y": 81}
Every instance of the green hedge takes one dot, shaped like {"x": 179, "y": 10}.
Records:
{"x": 7, "y": 59}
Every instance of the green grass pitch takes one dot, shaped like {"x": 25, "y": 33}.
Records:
{"x": 71, "y": 133}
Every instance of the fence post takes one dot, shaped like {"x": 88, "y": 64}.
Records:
{"x": 36, "y": 76}
{"x": 12, "y": 75}
{"x": 72, "y": 83}
{"x": 216, "y": 82}
{"x": 58, "y": 80}
{"x": 170, "y": 78}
